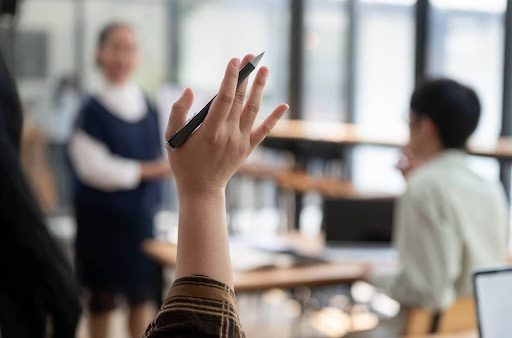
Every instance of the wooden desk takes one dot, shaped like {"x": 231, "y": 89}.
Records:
{"x": 320, "y": 139}
{"x": 337, "y": 133}
{"x": 309, "y": 275}
{"x": 470, "y": 334}
{"x": 501, "y": 149}
{"x": 165, "y": 252}
{"x": 321, "y": 274}
{"x": 299, "y": 181}
{"x": 334, "y": 133}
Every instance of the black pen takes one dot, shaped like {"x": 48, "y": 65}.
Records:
{"x": 179, "y": 137}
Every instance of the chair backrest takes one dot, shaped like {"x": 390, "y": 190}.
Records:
{"x": 35, "y": 165}
{"x": 459, "y": 317}
{"x": 418, "y": 322}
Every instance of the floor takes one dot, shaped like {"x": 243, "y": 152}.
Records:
{"x": 278, "y": 314}
{"x": 301, "y": 313}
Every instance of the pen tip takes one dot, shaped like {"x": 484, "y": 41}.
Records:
{"x": 255, "y": 60}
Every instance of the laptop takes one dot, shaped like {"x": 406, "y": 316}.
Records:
{"x": 358, "y": 222}
{"x": 360, "y": 230}
{"x": 493, "y": 295}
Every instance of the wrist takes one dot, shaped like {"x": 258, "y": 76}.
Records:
{"x": 203, "y": 194}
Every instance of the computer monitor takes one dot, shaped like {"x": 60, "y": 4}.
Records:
{"x": 361, "y": 221}
{"x": 493, "y": 294}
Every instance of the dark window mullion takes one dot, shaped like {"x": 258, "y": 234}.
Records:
{"x": 506, "y": 117}
{"x": 422, "y": 39}
{"x": 296, "y": 72}
{"x": 351, "y": 64}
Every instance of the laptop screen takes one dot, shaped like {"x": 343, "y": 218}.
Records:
{"x": 358, "y": 221}
{"x": 493, "y": 291}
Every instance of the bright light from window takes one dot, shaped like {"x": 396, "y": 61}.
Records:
{"x": 391, "y": 2}
{"x": 492, "y": 6}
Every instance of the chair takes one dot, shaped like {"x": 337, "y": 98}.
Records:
{"x": 459, "y": 317}
{"x": 35, "y": 165}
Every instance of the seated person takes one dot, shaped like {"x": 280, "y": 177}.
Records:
{"x": 449, "y": 220}
{"x": 201, "y": 302}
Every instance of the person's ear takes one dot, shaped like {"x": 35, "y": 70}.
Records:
{"x": 428, "y": 127}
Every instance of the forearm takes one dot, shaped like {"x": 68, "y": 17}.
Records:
{"x": 96, "y": 166}
{"x": 203, "y": 239}
{"x": 153, "y": 170}
{"x": 204, "y": 165}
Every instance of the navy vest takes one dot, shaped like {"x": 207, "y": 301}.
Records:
{"x": 139, "y": 141}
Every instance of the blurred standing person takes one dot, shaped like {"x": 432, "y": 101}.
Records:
{"x": 116, "y": 155}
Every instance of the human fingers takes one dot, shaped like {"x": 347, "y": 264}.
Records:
{"x": 236, "y": 109}
{"x": 221, "y": 105}
{"x": 253, "y": 103}
{"x": 179, "y": 110}
{"x": 265, "y": 127}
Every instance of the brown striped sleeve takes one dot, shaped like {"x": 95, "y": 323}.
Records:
{"x": 197, "y": 306}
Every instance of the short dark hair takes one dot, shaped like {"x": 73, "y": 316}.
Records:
{"x": 107, "y": 29}
{"x": 453, "y": 108}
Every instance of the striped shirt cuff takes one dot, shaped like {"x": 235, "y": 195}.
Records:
{"x": 197, "y": 306}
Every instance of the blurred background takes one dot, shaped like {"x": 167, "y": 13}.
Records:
{"x": 342, "y": 61}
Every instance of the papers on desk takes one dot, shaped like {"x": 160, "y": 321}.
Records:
{"x": 383, "y": 260}
{"x": 273, "y": 244}
{"x": 247, "y": 259}
{"x": 262, "y": 251}
{"x": 256, "y": 252}
{"x": 251, "y": 253}
{"x": 364, "y": 254}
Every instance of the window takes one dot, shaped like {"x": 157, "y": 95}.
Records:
{"x": 325, "y": 58}
{"x": 466, "y": 43}
{"x": 212, "y": 32}
{"x": 53, "y": 41}
{"x": 384, "y": 82}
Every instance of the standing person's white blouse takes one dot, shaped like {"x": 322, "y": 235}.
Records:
{"x": 94, "y": 163}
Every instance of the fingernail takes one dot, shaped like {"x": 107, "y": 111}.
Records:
{"x": 186, "y": 93}
{"x": 235, "y": 62}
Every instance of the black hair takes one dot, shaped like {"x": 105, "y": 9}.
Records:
{"x": 453, "y": 108}
{"x": 38, "y": 293}
{"x": 10, "y": 107}
{"x": 105, "y": 33}
{"x": 107, "y": 30}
